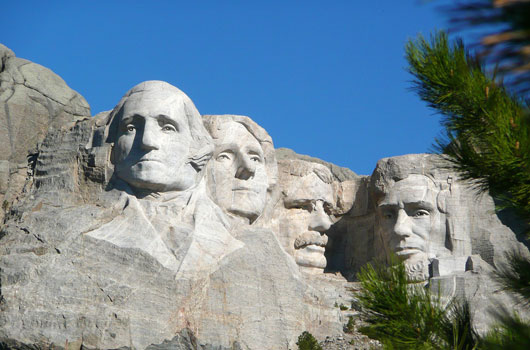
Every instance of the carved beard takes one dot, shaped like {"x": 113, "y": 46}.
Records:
{"x": 417, "y": 270}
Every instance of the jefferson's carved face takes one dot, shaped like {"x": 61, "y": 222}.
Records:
{"x": 153, "y": 142}
{"x": 306, "y": 220}
{"x": 409, "y": 219}
{"x": 238, "y": 174}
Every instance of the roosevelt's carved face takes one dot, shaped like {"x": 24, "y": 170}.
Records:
{"x": 306, "y": 219}
{"x": 409, "y": 220}
{"x": 237, "y": 172}
{"x": 153, "y": 142}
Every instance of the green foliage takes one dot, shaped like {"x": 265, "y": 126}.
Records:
{"x": 515, "y": 277}
{"x": 350, "y": 326}
{"x": 505, "y": 46}
{"x": 511, "y": 333}
{"x": 488, "y": 130}
{"x": 456, "y": 328}
{"x": 306, "y": 341}
{"x": 405, "y": 315}
{"x": 343, "y": 307}
{"x": 488, "y": 142}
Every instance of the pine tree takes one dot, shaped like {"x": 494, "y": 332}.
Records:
{"x": 405, "y": 315}
{"x": 488, "y": 142}
{"x": 505, "y": 39}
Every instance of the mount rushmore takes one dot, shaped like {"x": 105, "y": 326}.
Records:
{"x": 153, "y": 226}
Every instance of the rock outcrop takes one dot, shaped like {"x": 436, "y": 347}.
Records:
{"x": 35, "y": 101}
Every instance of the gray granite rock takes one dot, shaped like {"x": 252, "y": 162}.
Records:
{"x": 35, "y": 101}
{"x": 140, "y": 228}
{"x": 100, "y": 258}
{"x": 340, "y": 173}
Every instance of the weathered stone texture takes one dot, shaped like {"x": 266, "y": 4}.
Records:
{"x": 153, "y": 227}
{"x": 34, "y": 101}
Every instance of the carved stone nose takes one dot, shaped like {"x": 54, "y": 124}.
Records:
{"x": 246, "y": 168}
{"x": 402, "y": 227}
{"x": 320, "y": 220}
{"x": 149, "y": 139}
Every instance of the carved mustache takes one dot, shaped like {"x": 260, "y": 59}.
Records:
{"x": 310, "y": 238}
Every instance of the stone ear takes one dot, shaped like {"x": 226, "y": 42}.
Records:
{"x": 441, "y": 200}
{"x": 111, "y": 156}
{"x": 201, "y": 157}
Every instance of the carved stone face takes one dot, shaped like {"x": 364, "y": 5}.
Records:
{"x": 153, "y": 142}
{"x": 409, "y": 220}
{"x": 306, "y": 220}
{"x": 237, "y": 172}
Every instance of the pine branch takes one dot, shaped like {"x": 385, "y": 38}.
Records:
{"x": 405, "y": 315}
{"x": 505, "y": 39}
{"x": 487, "y": 129}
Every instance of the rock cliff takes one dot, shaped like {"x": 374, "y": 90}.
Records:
{"x": 153, "y": 227}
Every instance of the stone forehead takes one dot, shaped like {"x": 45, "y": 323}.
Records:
{"x": 302, "y": 168}
{"x": 215, "y": 123}
{"x": 154, "y": 86}
{"x": 155, "y": 90}
{"x": 310, "y": 187}
{"x": 234, "y": 131}
{"x": 413, "y": 188}
{"x": 391, "y": 170}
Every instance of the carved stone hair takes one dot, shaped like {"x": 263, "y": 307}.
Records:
{"x": 214, "y": 122}
{"x": 201, "y": 149}
{"x": 391, "y": 170}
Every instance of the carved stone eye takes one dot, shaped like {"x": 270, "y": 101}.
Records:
{"x": 168, "y": 128}
{"x": 387, "y": 215}
{"x": 255, "y": 158}
{"x": 420, "y": 212}
{"x": 223, "y": 157}
{"x": 130, "y": 128}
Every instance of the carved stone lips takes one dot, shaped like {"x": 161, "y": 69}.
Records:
{"x": 311, "y": 238}
{"x": 407, "y": 250}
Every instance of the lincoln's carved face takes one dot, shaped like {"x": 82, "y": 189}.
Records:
{"x": 237, "y": 171}
{"x": 153, "y": 142}
{"x": 306, "y": 219}
{"x": 409, "y": 220}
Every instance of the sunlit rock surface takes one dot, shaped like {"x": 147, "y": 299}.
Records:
{"x": 153, "y": 227}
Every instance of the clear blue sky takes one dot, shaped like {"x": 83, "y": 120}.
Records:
{"x": 325, "y": 78}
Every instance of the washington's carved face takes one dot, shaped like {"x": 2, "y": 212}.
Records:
{"x": 306, "y": 221}
{"x": 237, "y": 172}
{"x": 153, "y": 142}
{"x": 409, "y": 219}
